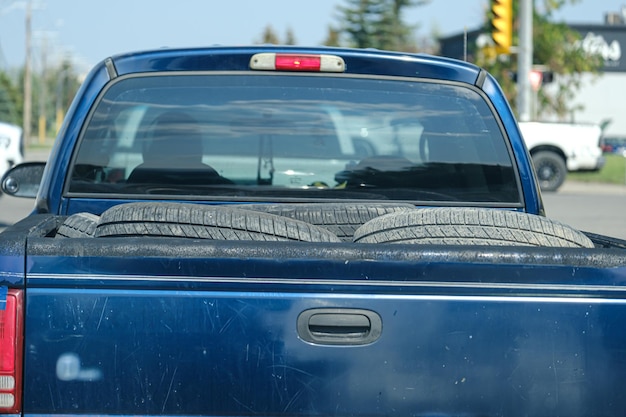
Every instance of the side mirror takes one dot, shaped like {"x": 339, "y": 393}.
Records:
{"x": 23, "y": 180}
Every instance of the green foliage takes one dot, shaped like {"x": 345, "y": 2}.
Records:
{"x": 332, "y": 37}
{"x": 52, "y": 94}
{"x": 290, "y": 37}
{"x": 269, "y": 36}
{"x": 377, "y": 24}
{"x": 8, "y": 100}
{"x": 554, "y": 47}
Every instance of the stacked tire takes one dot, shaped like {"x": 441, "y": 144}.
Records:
{"x": 379, "y": 223}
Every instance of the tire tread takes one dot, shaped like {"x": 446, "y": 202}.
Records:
{"x": 470, "y": 226}
{"x": 199, "y": 221}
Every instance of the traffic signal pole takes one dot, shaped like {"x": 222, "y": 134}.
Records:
{"x": 524, "y": 59}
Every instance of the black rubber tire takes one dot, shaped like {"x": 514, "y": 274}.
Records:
{"x": 470, "y": 226}
{"x": 78, "y": 225}
{"x": 200, "y": 221}
{"x": 342, "y": 219}
{"x": 551, "y": 170}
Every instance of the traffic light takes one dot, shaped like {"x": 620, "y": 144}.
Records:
{"x": 502, "y": 25}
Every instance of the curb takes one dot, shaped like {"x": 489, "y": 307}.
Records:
{"x": 579, "y": 187}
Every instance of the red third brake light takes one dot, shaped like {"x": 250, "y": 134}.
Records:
{"x": 298, "y": 62}
{"x": 270, "y": 61}
{"x": 10, "y": 351}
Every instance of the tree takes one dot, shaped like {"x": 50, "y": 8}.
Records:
{"x": 377, "y": 24}
{"x": 8, "y": 100}
{"x": 290, "y": 38}
{"x": 359, "y": 22}
{"x": 269, "y": 36}
{"x": 554, "y": 46}
{"x": 554, "y": 49}
{"x": 58, "y": 87}
{"x": 333, "y": 37}
{"x": 62, "y": 85}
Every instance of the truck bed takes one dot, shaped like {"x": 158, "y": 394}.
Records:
{"x": 172, "y": 326}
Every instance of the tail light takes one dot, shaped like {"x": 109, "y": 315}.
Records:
{"x": 297, "y": 62}
{"x": 10, "y": 351}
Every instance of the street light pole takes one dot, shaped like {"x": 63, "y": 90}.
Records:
{"x": 27, "y": 78}
{"x": 525, "y": 59}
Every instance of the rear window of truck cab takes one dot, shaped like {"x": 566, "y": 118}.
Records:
{"x": 257, "y": 137}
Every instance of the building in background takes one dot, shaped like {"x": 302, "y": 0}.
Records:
{"x": 602, "y": 97}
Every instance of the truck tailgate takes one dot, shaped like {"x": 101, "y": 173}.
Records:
{"x": 142, "y": 327}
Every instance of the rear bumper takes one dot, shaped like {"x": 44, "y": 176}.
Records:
{"x": 586, "y": 160}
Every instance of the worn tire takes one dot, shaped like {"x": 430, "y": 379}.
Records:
{"x": 550, "y": 169}
{"x": 340, "y": 218}
{"x": 470, "y": 226}
{"x": 199, "y": 221}
{"x": 78, "y": 225}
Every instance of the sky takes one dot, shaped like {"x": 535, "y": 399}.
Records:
{"x": 89, "y": 31}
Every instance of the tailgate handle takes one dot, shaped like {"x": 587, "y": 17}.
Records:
{"x": 339, "y": 326}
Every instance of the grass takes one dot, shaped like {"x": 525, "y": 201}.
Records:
{"x": 613, "y": 172}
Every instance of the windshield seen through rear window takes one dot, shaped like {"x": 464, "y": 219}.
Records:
{"x": 276, "y": 136}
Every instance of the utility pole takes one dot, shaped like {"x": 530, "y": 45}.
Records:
{"x": 525, "y": 59}
{"x": 59, "y": 99}
{"x": 27, "y": 78}
{"x": 43, "y": 97}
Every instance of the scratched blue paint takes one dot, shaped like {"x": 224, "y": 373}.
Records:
{"x": 239, "y": 353}
{"x": 110, "y": 333}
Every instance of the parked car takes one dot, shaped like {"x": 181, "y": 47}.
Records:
{"x": 11, "y": 146}
{"x": 613, "y": 145}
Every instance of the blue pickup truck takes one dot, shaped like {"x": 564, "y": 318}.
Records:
{"x": 286, "y": 231}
